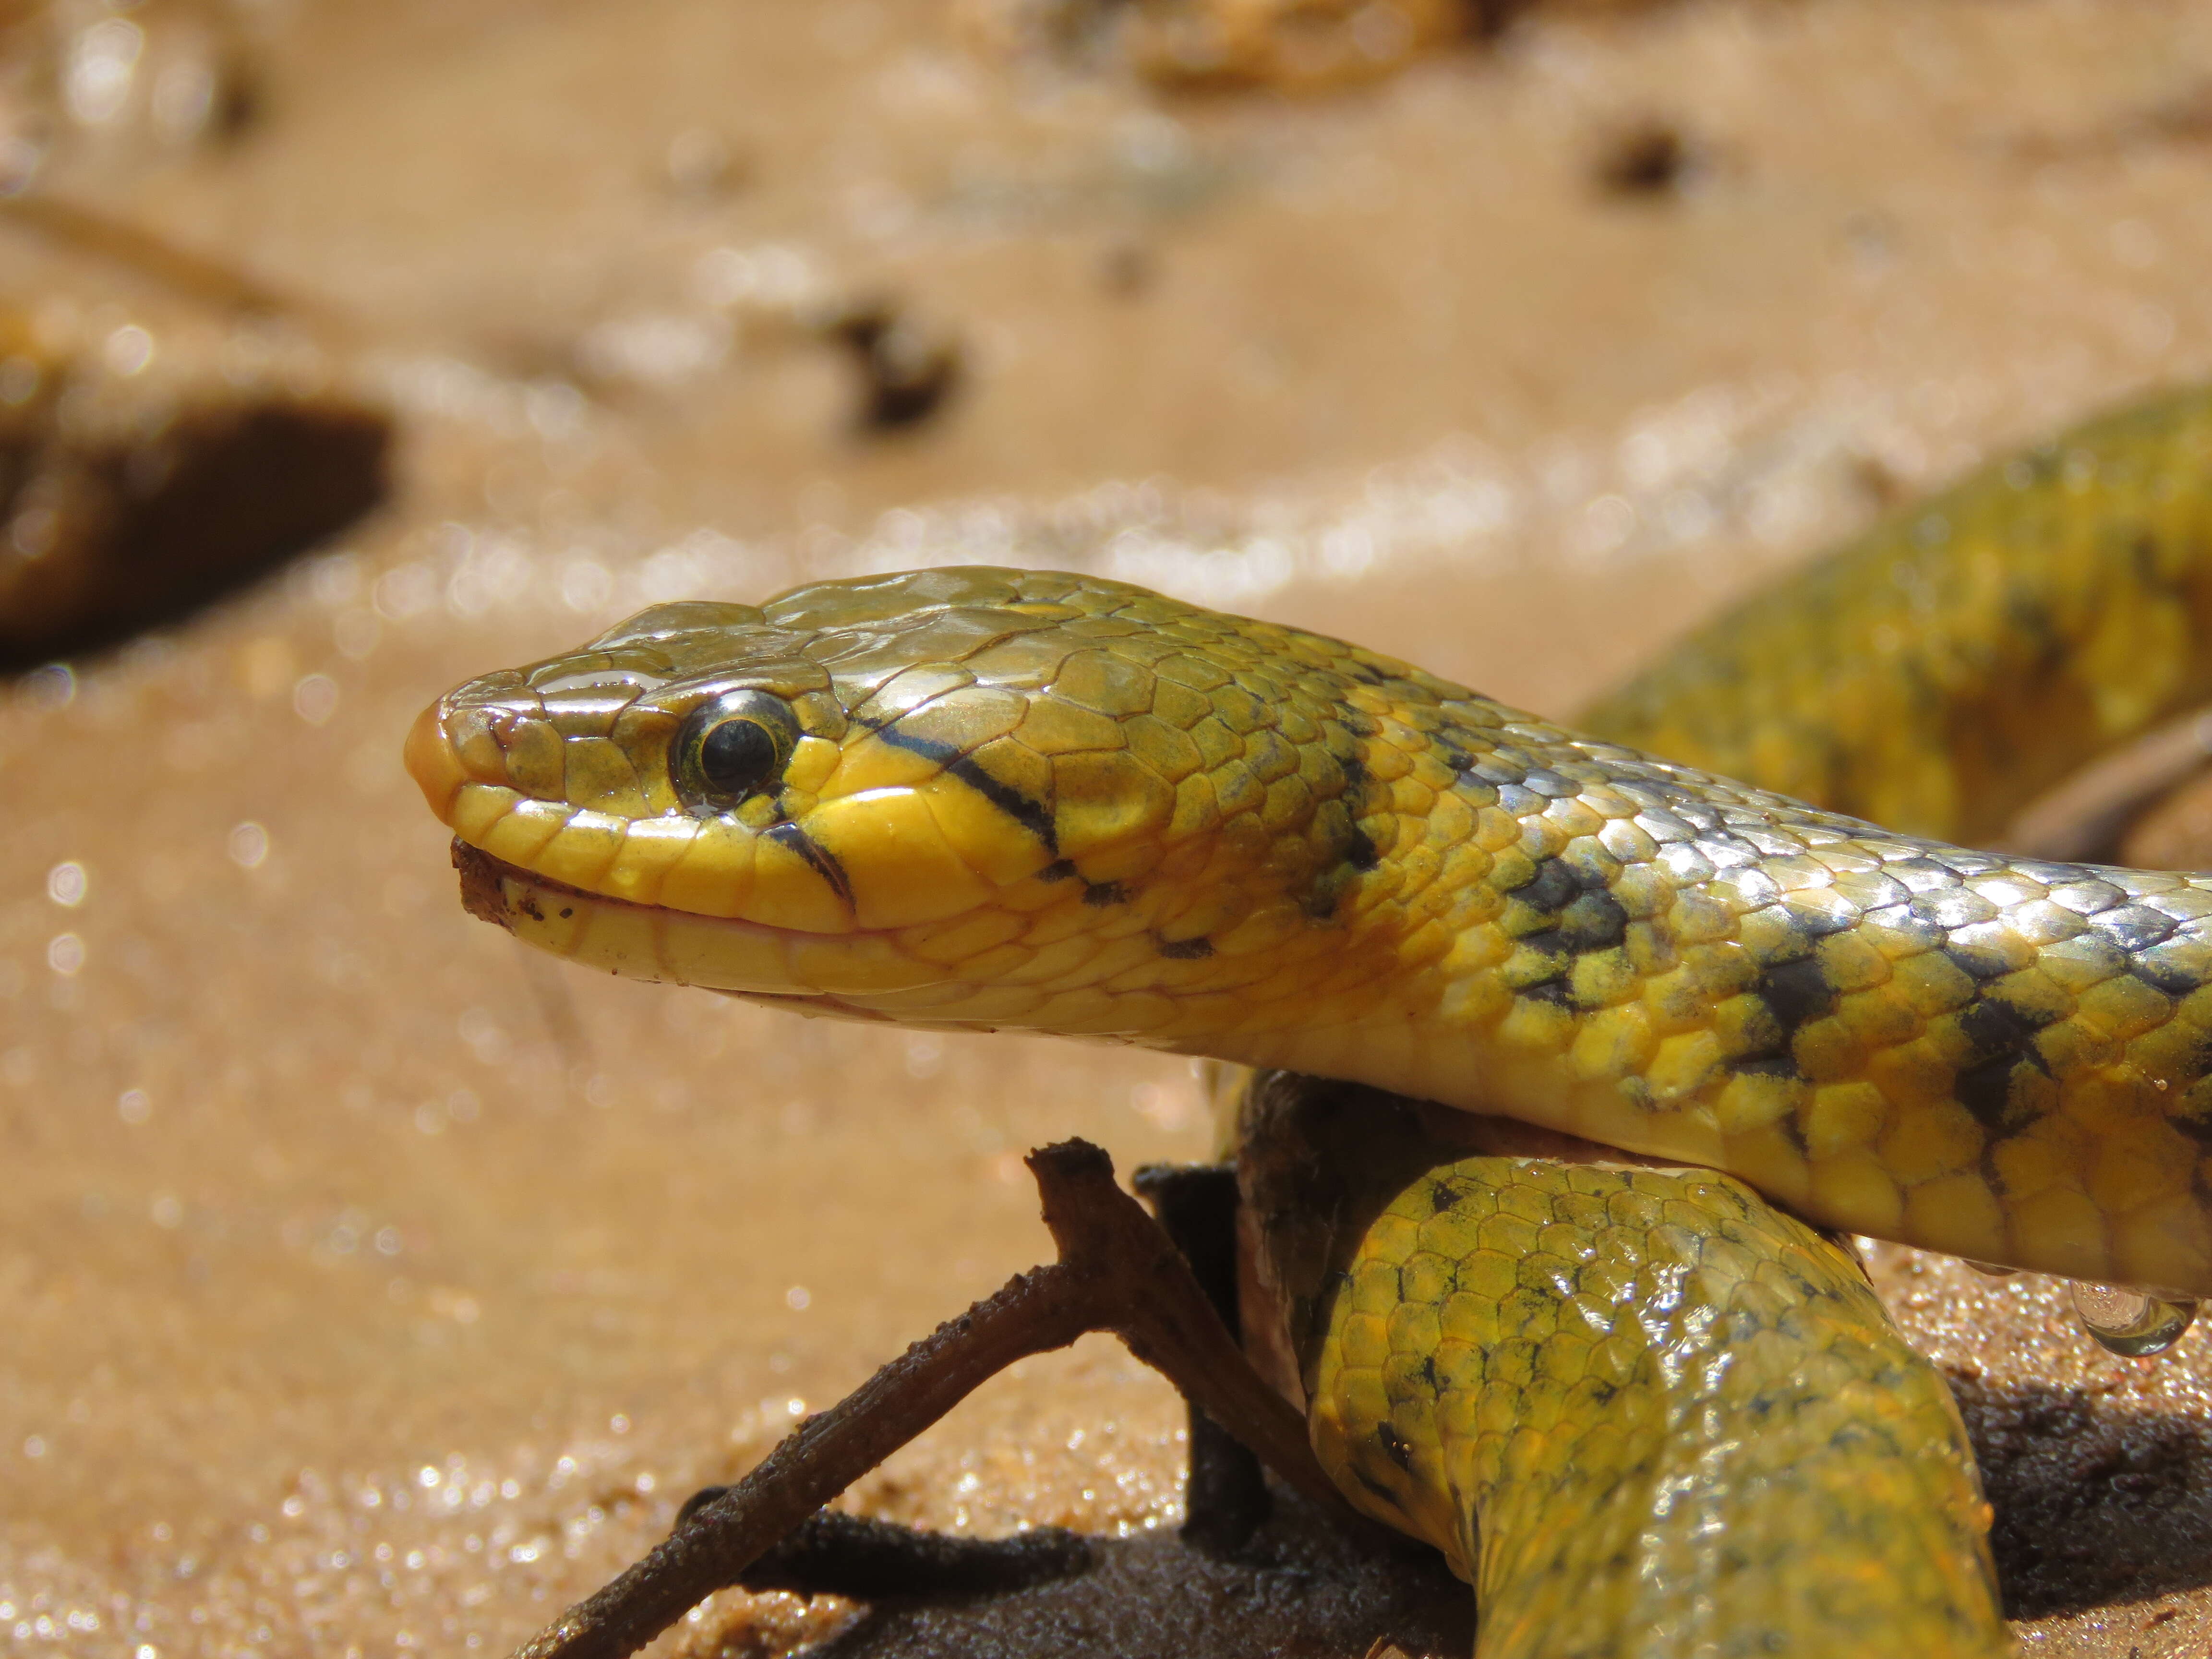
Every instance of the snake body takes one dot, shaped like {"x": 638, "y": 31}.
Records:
{"x": 983, "y": 799}
{"x": 1640, "y": 1409}
{"x": 1947, "y": 668}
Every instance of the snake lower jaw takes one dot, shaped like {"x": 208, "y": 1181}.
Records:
{"x": 635, "y": 941}
{"x": 620, "y": 937}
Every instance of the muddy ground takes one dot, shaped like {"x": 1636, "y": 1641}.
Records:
{"x": 368, "y": 1288}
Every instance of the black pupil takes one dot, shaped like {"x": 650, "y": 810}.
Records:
{"x": 737, "y": 757}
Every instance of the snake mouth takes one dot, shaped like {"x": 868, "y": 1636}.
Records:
{"x": 649, "y": 942}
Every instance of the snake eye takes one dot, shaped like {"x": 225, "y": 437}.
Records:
{"x": 734, "y": 747}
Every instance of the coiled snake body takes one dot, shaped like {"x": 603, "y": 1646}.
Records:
{"x": 982, "y": 799}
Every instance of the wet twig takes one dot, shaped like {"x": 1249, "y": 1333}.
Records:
{"x": 122, "y": 242}
{"x": 1117, "y": 1271}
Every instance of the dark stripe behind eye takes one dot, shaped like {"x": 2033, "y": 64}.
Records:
{"x": 1029, "y": 813}
{"x": 818, "y": 858}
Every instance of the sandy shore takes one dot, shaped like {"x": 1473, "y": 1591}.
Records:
{"x": 370, "y": 1288}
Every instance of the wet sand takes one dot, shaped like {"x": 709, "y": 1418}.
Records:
{"x": 370, "y": 1287}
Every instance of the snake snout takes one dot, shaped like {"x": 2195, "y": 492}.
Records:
{"x": 431, "y": 762}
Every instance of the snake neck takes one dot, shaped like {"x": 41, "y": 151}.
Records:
{"x": 1997, "y": 1058}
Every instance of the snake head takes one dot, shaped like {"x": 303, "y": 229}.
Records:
{"x": 972, "y": 796}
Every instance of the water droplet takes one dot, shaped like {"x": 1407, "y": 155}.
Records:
{"x": 2129, "y": 1323}
{"x": 1989, "y": 1269}
{"x": 249, "y": 845}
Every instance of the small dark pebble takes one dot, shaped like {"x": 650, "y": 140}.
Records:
{"x": 908, "y": 369}
{"x": 1650, "y": 159}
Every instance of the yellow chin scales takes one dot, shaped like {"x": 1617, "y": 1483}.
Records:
{"x": 632, "y": 940}
{"x": 640, "y": 942}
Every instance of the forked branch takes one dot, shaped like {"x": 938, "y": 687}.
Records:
{"x": 1117, "y": 1271}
